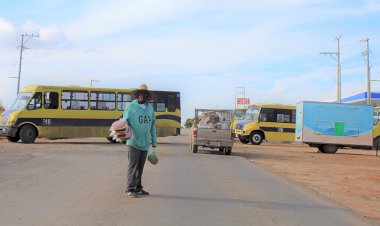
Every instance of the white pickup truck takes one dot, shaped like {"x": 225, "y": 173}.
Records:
{"x": 212, "y": 129}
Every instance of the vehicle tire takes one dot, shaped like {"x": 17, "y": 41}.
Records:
{"x": 376, "y": 144}
{"x": 194, "y": 148}
{"x": 112, "y": 141}
{"x": 330, "y": 148}
{"x": 221, "y": 149}
{"x": 243, "y": 140}
{"x": 227, "y": 151}
{"x": 256, "y": 138}
{"x": 320, "y": 148}
{"x": 13, "y": 139}
{"x": 28, "y": 134}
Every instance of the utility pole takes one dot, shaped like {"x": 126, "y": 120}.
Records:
{"x": 366, "y": 55}
{"x": 337, "y": 55}
{"x": 22, "y": 47}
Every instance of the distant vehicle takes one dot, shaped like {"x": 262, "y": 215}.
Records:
{"x": 271, "y": 122}
{"x": 212, "y": 128}
{"x": 73, "y": 111}
{"x": 376, "y": 128}
{"x": 329, "y": 126}
{"x": 238, "y": 115}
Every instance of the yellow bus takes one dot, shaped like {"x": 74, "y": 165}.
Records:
{"x": 376, "y": 128}
{"x": 73, "y": 111}
{"x": 238, "y": 115}
{"x": 271, "y": 122}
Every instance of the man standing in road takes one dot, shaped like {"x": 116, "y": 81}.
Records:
{"x": 142, "y": 119}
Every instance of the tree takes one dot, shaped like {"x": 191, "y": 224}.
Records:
{"x": 1, "y": 107}
{"x": 189, "y": 122}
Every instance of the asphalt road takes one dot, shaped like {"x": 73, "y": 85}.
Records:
{"x": 81, "y": 182}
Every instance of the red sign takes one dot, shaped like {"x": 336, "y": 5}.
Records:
{"x": 242, "y": 100}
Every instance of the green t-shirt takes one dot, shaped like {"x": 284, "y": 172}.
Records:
{"x": 143, "y": 124}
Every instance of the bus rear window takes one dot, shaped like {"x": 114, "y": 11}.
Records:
{"x": 160, "y": 103}
{"x": 171, "y": 103}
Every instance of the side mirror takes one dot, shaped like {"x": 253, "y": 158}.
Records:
{"x": 30, "y": 107}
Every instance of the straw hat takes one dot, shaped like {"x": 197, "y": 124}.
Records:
{"x": 143, "y": 87}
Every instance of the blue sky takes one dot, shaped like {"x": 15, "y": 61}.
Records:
{"x": 204, "y": 49}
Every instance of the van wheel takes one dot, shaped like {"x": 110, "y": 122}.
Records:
{"x": 243, "y": 140}
{"x": 256, "y": 138}
{"x": 28, "y": 134}
{"x": 227, "y": 151}
{"x": 13, "y": 139}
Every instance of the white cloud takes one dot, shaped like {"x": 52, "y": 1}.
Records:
{"x": 5, "y": 27}
{"x": 116, "y": 16}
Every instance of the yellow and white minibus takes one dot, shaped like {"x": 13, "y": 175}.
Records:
{"x": 73, "y": 111}
{"x": 271, "y": 122}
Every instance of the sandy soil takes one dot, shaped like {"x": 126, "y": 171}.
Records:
{"x": 350, "y": 177}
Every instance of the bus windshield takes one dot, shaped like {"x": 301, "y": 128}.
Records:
{"x": 21, "y": 101}
{"x": 252, "y": 113}
{"x": 239, "y": 114}
{"x": 376, "y": 116}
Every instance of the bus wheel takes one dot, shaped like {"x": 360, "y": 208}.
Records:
{"x": 112, "y": 141}
{"x": 13, "y": 139}
{"x": 376, "y": 144}
{"x": 330, "y": 148}
{"x": 227, "y": 151}
{"x": 28, "y": 134}
{"x": 256, "y": 138}
{"x": 243, "y": 140}
{"x": 221, "y": 149}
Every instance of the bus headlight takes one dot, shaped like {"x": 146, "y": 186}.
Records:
{"x": 11, "y": 122}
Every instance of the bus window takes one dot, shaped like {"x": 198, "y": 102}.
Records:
{"x": 159, "y": 105}
{"x": 123, "y": 100}
{"x": 294, "y": 116}
{"x": 51, "y": 100}
{"x": 102, "y": 101}
{"x": 36, "y": 101}
{"x": 285, "y": 115}
{"x": 171, "y": 103}
{"x": 267, "y": 115}
{"x": 74, "y": 100}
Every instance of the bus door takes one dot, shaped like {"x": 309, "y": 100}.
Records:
{"x": 50, "y": 124}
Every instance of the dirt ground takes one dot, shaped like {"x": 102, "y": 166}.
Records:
{"x": 350, "y": 177}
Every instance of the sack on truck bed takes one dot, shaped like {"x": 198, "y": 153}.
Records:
{"x": 212, "y": 119}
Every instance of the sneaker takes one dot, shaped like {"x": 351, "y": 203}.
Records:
{"x": 133, "y": 194}
{"x": 142, "y": 192}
